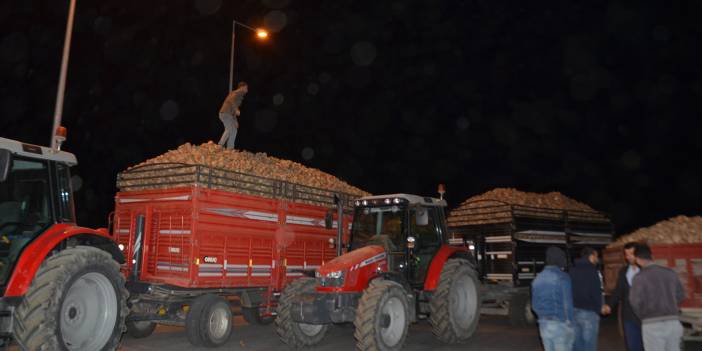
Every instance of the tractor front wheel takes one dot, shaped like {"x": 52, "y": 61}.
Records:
{"x": 382, "y": 317}
{"x": 294, "y": 334}
{"x": 455, "y": 304}
{"x": 77, "y": 301}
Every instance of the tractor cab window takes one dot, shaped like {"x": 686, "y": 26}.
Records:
{"x": 65, "y": 194}
{"x": 25, "y": 209}
{"x": 424, "y": 228}
{"x": 384, "y": 224}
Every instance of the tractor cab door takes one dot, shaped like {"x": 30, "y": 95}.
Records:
{"x": 426, "y": 229}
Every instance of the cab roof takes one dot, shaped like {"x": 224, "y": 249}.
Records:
{"x": 409, "y": 198}
{"x": 36, "y": 151}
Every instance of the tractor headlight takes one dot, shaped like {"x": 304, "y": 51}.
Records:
{"x": 332, "y": 279}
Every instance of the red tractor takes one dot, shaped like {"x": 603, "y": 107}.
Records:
{"x": 60, "y": 284}
{"x": 398, "y": 268}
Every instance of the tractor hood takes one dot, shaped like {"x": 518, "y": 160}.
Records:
{"x": 355, "y": 259}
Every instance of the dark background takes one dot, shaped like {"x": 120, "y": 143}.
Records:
{"x": 599, "y": 100}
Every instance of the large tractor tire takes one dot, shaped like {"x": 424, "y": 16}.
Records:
{"x": 209, "y": 321}
{"x": 297, "y": 335}
{"x": 77, "y": 301}
{"x": 140, "y": 329}
{"x": 455, "y": 304}
{"x": 382, "y": 317}
{"x": 520, "y": 313}
{"x": 252, "y": 315}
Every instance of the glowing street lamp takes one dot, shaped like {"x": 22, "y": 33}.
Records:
{"x": 261, "y": 34}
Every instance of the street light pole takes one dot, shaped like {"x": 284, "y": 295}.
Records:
{"x": 58, "y": 109}
{"x": 260, "y": 33}
{"x": 231, "y": 58}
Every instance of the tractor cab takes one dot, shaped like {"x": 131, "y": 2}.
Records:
{"x": 35, "y": 193}
{"x": 410, "y": 228}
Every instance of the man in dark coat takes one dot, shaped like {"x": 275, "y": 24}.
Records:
{"x": 655, "y": 296}
{"x": 620, "y": 296}
{"x": 587, "y": 300}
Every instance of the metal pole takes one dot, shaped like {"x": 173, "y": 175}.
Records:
{"x": 231, "y": 58}
{"x": 339, "y": 224}
{"x": 58, "y": 110}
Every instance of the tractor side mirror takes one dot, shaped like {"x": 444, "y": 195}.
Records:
{"x": 5, "y": 162}
{"x": 422, "y": 216}
{"x": 329, "y": 219}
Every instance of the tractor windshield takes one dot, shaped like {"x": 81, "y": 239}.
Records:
{"x": 384, "y": 220}
{"x": 24, "y": 209}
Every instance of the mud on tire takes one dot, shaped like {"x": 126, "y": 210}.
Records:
{"x": 455, "y": 304}
{"x": 297, "y": 335}
{"x": 382, "y": 317}
{"x": 76, "y": 301}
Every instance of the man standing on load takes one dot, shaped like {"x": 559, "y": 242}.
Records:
{"x": 229, "y": 112}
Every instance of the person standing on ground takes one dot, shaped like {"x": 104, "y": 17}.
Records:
{"x": 229, "y": 112}
{"x": 587, "y": 299}
{"x": 552, "y": 300}
{"x": 655, "y": 295}
{"x": 630, "y": 322}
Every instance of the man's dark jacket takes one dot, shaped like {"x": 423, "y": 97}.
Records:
{"x": 621, "y": 295}
{"x": 587, "y": 288}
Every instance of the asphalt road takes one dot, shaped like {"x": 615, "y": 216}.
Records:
{"x": 494, "y": 334}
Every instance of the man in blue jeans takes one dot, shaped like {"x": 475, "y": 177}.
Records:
{"x": 552, "y": 300}
{"x": 587, "y": 299}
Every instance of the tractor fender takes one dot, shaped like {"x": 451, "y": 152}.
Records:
{"x": 34, "y": 254}
{"x": 437, "y": 264}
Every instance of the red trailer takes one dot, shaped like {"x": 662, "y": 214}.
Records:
{"x": 207, "y": 235}
{"x": 686, "y": 260}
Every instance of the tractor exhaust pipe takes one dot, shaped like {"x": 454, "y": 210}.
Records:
{"x": 58, "y": 109}
{"x": 340, "y": 223}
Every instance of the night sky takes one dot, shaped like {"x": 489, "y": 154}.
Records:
{"x": 600, "y": 100}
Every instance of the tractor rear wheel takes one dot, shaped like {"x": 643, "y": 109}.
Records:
{"x": 382, "y": 317}
{"x": 209, "y": 321}
{"x": 455, "y": 304}
{"x": 294, "y": 334}
{"x": 77, "y": 301}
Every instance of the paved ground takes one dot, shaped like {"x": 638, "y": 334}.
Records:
{"x": 494, "y": 334}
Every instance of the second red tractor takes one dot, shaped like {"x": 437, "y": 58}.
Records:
{"x": 398, "y": 268}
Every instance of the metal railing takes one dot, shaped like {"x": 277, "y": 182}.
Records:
{"x": 172, "y": 175}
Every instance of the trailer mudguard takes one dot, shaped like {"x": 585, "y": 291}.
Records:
{"x": 437, "y": 264}
{"x": 34, "y": 254}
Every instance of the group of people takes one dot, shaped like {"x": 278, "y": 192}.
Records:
{"x": 569, "y": 305}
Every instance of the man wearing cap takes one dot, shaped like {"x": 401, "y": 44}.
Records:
{"x": 552, "y": 300}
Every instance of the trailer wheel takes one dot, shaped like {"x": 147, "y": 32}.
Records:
{"x": 252, "y": 315}
{"x": 140, "y": 329}
{"x": 382, "y": 317}
{"x": 520, "y": 313}
{"x": 209, "y": 321}
{"x": 294, "y": 334}
{"x": 455, "y": 305}
{"x": 77, "y": 301}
